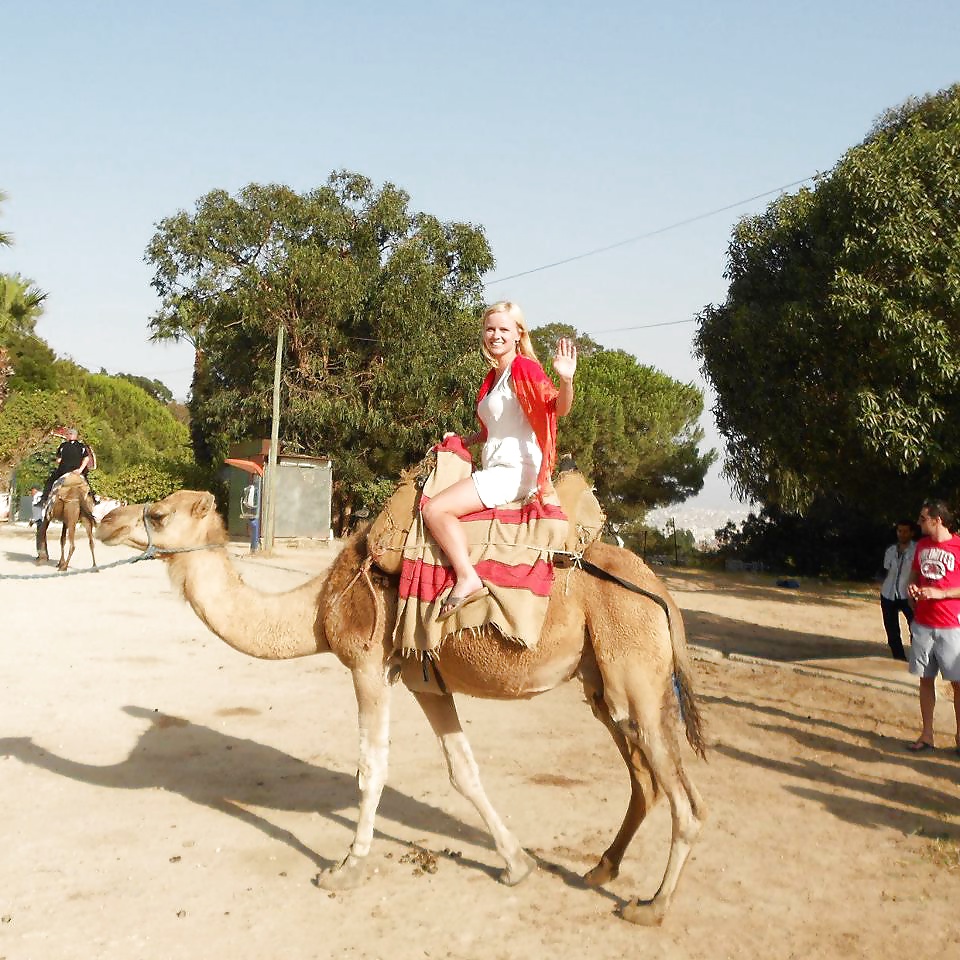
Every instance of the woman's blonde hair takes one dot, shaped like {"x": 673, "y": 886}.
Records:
{"x": 524, "y": 345}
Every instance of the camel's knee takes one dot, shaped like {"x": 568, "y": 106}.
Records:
{"x": 464, "y": 777}
{"x": 462, "y": 770}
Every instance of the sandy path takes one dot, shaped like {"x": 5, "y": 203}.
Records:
{"x": 164, "y": 796}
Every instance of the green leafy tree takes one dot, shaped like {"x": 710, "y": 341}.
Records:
{"x": 154, "y": 388}
{"x": 633, "y": 430}
{"x": 21, "y": 304}
{"x": 34, "y": 364}
{"x": 129, "y": 430}
{"x": 828, "y": 540}
{"x": 836, "y": 356}
{"x": 379, "y": 307}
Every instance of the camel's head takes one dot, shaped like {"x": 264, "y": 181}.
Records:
{"x": 187, "y": 518}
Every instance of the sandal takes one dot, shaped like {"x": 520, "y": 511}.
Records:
{"x": 452, "y": 604}
{"x": 920, "y": 746}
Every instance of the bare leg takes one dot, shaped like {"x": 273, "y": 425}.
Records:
{"x": 442, "y": 516}
{"x": 465, "y": 777}
{"x": 928, "y": 701}
{"x": 42, "y": 555}
{"x": 373, "y": 701}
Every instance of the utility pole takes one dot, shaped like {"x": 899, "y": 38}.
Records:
{"x": 270, "y": 498}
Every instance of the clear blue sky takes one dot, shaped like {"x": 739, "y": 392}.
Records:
{"x": 559, "y": 127}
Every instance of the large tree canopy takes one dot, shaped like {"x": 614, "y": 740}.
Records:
{"x": 380, "y": 309}
{"x": 836, "y": 356}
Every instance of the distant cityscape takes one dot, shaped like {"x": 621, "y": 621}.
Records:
{"x": 702, "y": 522}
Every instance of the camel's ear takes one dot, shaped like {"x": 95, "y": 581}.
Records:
{"x": 203, "y": 505}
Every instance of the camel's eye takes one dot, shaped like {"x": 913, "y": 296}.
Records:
{"x": 157, "y": 517}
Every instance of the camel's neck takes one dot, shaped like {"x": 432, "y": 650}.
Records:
{"x": 271, "y": 626}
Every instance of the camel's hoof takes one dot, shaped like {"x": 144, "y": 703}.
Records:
{"x": 646, "y": 913}
{"x": 349, "y": 874}
{"x": 518, "y": 871}
{"x": 601, "y": 874}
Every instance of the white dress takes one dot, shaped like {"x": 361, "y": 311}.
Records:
{"x": 511, "y": 457}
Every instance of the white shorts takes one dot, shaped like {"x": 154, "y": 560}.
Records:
{"x": 935, "y": 650}
{"x": 502, "y": 484}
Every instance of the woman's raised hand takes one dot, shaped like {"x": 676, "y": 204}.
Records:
{"x": 565, "y": 359}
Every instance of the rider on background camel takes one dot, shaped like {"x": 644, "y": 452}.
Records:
{"x": 73, "y": 456}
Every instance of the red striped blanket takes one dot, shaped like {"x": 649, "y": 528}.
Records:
{"x": 511, "y": 547}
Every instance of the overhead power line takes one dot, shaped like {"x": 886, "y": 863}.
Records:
{"x": 644, "y": 326}
{"x": 652, "y": 233}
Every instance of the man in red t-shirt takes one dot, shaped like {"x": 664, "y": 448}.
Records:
{"x": 935, "y": 631}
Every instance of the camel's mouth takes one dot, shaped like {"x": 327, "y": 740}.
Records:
{"x": 117, "y": 528}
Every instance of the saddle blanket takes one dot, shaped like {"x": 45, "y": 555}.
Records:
{"x": 512, "y": 549}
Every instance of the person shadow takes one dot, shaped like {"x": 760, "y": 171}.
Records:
{"x": 232, "y": 774}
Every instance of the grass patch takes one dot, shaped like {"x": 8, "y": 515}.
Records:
{"x": 943, "y": 852}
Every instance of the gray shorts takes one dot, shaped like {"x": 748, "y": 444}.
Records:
{"x": 935, "y": 650}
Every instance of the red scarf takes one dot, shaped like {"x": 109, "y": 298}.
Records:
{"x": 538, "y": 399}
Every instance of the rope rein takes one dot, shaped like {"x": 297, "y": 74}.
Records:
{"x": 364, "y": 571}
{"x": 151, "y": 552}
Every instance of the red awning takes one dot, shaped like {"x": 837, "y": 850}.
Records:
{"x": 248, "y": 466}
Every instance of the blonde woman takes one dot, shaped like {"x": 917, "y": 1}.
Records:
{"x": 517, "y": 406}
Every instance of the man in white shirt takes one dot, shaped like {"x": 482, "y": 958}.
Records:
{"x": 897, "y": 561}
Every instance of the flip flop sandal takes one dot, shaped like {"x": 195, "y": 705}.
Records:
{"x": 452, "y": 604}
{"x": 920, "y": 746}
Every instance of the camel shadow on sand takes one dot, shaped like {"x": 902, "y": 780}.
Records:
{"x": 727, "y": 635}
{"x": 16, "y": 557}
{"x": 842, "y": 772}
{"x": 230, "y": 774}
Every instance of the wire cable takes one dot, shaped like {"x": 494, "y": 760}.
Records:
{"x": 652, "y": 233}
{"x": 644, "y": 326}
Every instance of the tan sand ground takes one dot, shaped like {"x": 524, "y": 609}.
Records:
{"x": 165, "y": 797}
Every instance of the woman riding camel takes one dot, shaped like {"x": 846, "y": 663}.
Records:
{"x": 517, "y": 406}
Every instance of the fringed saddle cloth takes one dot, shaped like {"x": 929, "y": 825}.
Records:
{"x": 511, "y": 547}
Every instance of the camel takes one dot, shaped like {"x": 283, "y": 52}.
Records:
{"x": 69, "y": 502}
{"x": 629, "y": 655}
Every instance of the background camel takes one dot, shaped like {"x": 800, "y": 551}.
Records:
{"x": 630, "y": 658}
{"x": 69, "y": 502}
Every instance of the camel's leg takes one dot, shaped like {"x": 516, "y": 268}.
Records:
{"x": 441, "y": 711}
{"x": 644, "y": 724}
{"x": 373, "y": 702}
{"x": 89, "y": 527}
{"x": 64, "y": 533}
{"x": 643, "y": 788}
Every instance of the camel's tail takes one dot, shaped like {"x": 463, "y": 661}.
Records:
{"x": 86, "y": 510}
{"x": 682, "y": 686}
